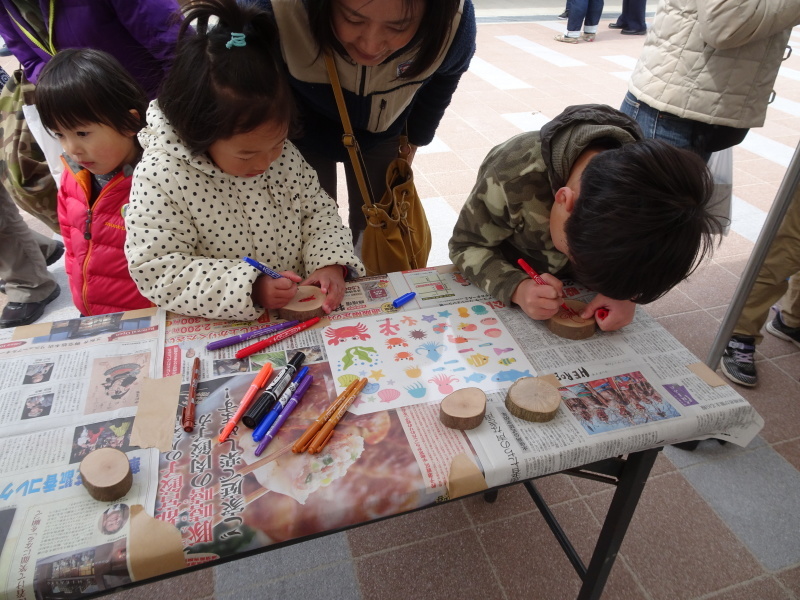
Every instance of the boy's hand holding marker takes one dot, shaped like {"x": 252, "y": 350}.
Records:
{"x": 539, "y": 301}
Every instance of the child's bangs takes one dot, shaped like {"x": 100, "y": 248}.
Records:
{"x": 71, "y": 111}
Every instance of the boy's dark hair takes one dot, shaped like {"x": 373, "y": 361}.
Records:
{"x": 216, "y": 89}
{"x": 79, "y": 86}
{"x": 641, "y": 223}
{"x": 429, "y": 39}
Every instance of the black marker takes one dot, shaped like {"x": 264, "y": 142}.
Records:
{"x": 269, "y": 396}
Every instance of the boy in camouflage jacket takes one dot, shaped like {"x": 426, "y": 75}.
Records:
{"x": 588, "y": 198}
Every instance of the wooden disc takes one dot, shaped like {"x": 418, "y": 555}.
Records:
{"x": 106, "y": 474}
{"x": 569, "y": 326}
{"x": 533, "y": 399}
{"x": 463, "y": 409}
{"x": 306, "y": 304}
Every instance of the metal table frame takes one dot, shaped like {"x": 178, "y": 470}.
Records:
{"x": 629, "y": 475}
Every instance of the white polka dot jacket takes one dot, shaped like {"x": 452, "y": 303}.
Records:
{"x": 189, "y": 225}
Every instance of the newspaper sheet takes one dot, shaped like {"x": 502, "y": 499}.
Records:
{"x": 67, "y": 388}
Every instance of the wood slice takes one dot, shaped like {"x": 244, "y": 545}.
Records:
{"x": 533, "y": 399}
{"x": 306, "y": 304}
{"x": 569, "y": 326}
{"x": 106, "y": 474}
{"x": 463, "y": 409}
{"x": 465, "y": 477}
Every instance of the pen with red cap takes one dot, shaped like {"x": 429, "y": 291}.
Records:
{"x": 538, "y": 279}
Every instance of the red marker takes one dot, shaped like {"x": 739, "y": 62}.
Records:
{"x": 252, "y": 349}
{"x": 538, "y": 279}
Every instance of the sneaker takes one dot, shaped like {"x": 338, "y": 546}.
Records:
{"x": 566, "y": 39}
{"x": 781, "y": 330}
{"x": 738, "y": 360}
{"x": 588, "y": 37}
{"x": 564, "y": 15}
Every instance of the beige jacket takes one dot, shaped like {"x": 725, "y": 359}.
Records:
{"x": 714, "y": 61}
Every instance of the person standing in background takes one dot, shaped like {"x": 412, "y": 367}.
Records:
{"x": 707, "y": 68}
{"x": 399, "y": 62}
{"x": 631, "y": 21}
{"x": 584, "y": 13}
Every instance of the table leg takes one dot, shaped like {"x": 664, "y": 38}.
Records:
{"x": 630, "y": 486}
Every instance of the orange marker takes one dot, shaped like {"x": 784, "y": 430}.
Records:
{"x": 319, "y": 441}
{"x": 302, "y": 443}
{"x": 247, "y": 400}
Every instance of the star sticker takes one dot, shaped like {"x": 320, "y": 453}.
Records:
{"x": 390, "y": 382}
{"x": 445, "y": 313}
{"x": 428, "y": 318}
{"x": 362, "y": 373}
{"x": 377, "y": 375}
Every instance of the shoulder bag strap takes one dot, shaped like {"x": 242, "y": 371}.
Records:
{"x": 348, "y": 139}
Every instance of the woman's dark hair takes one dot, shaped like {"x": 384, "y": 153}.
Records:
{"x": 430, "y": 38}
{"x": 215, "y": 88}
{"x": 79, "y": 86}
{"x": 641, "y": 223}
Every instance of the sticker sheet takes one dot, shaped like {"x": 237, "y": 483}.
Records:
{"x": 423, "y": 355}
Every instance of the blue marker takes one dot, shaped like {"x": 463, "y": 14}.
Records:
{"x": 296, "y": 397}
{"x": 269, "y": 419}
{"x": 405, "y": 298}
{"x": 264, "y": 269}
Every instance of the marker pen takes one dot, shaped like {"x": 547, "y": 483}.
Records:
{"x": 270, "y": 396}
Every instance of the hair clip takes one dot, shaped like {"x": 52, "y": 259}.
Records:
{"x": 237, "y": 39}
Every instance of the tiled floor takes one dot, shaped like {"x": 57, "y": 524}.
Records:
{"x": 721, "y": 522}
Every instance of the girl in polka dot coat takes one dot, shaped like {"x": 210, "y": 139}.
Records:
{"x": 218, "y": 181}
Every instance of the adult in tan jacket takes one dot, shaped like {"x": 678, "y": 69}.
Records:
{"x": 706, "y": 71}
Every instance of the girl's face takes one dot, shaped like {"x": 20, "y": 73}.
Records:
{"x": 371, "y": 30}
{"x": 250, "y": 154}
{"x": 97, "y": 147}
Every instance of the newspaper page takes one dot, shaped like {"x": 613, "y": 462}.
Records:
{"x": 622, "y": 391}
{"x": 225, "y": 500}
{"x": 70, "y": 387}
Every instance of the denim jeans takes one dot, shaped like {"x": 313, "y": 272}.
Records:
{"x": 584, "y": 12}
{"x": 664, "y": 126}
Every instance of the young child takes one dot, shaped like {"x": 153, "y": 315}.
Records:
{"x": 218, "y": 180}
{"x": 95, "y": 109}
{"x": 585, "y": 197}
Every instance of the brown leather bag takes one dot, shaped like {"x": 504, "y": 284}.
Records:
{"x": 397, "y": 237}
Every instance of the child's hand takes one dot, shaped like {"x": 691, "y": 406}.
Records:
{"x": 618, "y": 313}
{"x": 275, "y": 293}
{"x": 539, "y": 301}
{"x": 330, "y": 280}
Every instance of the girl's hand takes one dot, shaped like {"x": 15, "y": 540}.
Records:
{"x": 330, "y": 280}
{"x": 539, "y": 302}
{"x": 275, "y": 293}
{"x": 618, "y": 313}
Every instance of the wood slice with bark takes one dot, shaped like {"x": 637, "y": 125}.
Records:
{"x": 106, "y": 474}
{"x": 463, "y": 409}
{"x": 306, "y": 304}
{"x": 533, "y": 399}
{"x": 572, "y": 327}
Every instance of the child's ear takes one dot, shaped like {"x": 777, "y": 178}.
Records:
{"x": 566, "y": 196}
{"x": 136, "y": 116}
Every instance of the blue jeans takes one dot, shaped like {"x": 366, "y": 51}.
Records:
{"x": 664, "y": 126}
{"x": 584, "y": 12}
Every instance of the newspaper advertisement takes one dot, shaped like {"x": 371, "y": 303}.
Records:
{"x": 67, "y": 388}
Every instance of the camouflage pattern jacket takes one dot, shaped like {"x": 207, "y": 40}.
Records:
{"x": 507, "y": 214}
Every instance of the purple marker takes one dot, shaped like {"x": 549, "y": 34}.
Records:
{"x": 215, "y": 345}
{"x": 287, "y": 410}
